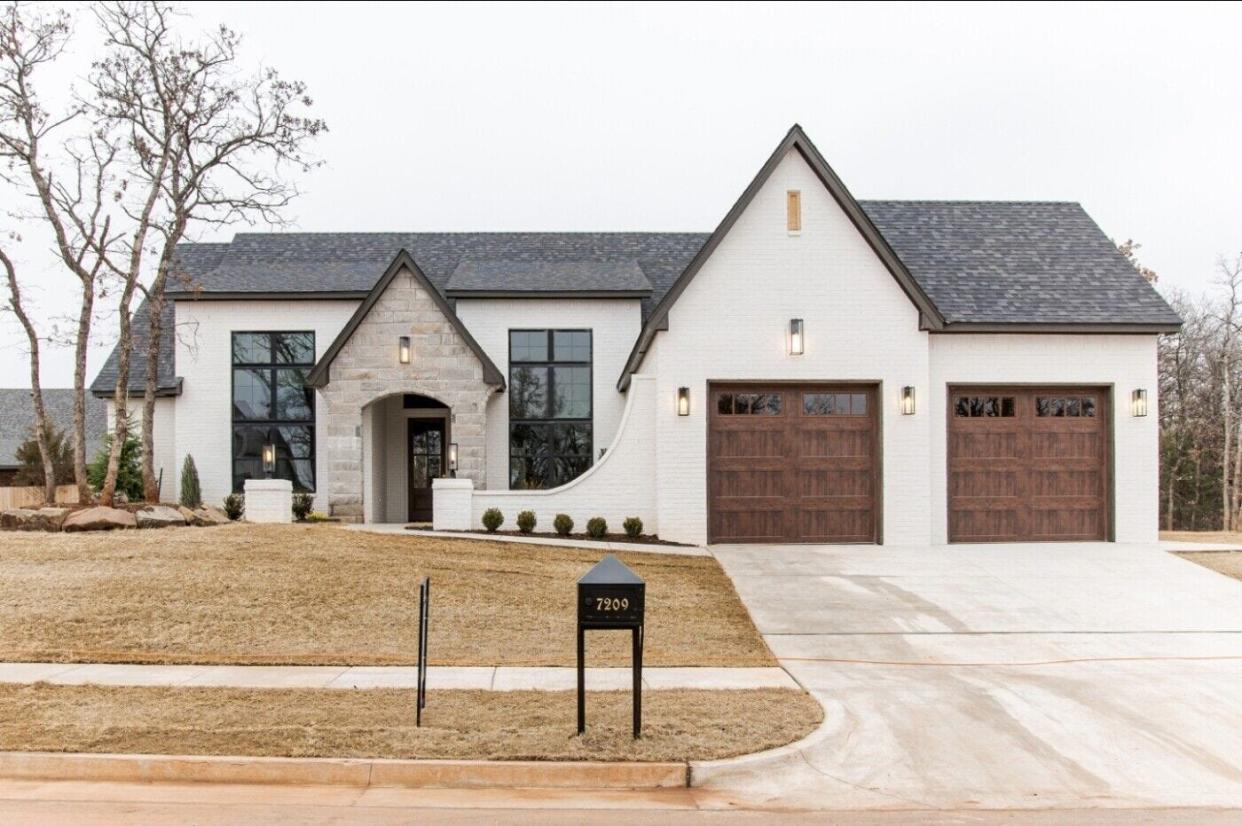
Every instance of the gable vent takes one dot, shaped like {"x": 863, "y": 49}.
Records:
{"x": 793, "y": 210}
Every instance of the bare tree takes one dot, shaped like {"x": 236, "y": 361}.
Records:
{"x": 1129, "y": 248}
{"x": 211, "y": 143}
{"x": 75, "y": 207}
{"x": 42, "y": 429}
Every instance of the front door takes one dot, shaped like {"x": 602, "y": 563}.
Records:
{"x": 426, "y": 462}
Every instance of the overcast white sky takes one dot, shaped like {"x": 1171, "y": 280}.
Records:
{"x": 654, "y": 117}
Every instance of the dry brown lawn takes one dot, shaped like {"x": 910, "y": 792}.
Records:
{"x": 1228, "y": 563}
{"x": 1221, "y": 537}
{"x": 520, "y": 725}
{"x": 275, "y": 594}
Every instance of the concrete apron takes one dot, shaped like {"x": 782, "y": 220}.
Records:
{"x": 999, "y": 676}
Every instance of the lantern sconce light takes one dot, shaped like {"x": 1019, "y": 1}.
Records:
{"x": 403, "y": 349}
{"x": 797, "y": 341}
{"x": 1138, "y": 403}
{"x": 683, "y": 401}
{"x": 453, "y": 460}
{"x": 907, "y": 400}
{"x": 269, "y": 459}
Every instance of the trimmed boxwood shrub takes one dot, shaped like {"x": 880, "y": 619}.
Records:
{"x": 597, "y": 527}
{"x": 493, "y": 519}
{"x": 563, "y": 524}
{"x": 526, "y": 521}
{"x": 303, "y": 503}
{"x": 633, "y": 527}
{"x": 234, "y": 506}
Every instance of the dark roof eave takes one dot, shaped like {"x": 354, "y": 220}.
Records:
{"x": 1091, "y": 328}
{"x": 520, "y": 294}
{"x": 322, "y": 295}
{"x": 164, "y": 391}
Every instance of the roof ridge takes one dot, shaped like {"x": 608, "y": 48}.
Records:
{"x": 1000, "y": 202}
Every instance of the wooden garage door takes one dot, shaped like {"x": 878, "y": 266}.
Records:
{"x": 792, "y": 463}
{"x": 1028, "y": 464}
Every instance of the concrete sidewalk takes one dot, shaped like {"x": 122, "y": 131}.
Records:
{"x": 485, "y": 678}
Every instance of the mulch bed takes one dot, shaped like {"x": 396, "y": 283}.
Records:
{"x": 642, "y": 539}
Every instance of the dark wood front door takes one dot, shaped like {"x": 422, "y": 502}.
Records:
{"x": 792, "y": 463}
{"x": 425, "y": 461}
{"x": 1028, "y": 463}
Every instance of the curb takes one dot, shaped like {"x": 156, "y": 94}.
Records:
{"x": 328, "y": 771}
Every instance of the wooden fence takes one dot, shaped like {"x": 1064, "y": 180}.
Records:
{"x": 33, "y": 497}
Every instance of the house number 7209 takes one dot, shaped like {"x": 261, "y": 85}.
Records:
{"x": 612, "y": 603}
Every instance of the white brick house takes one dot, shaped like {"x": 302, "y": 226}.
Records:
{"x": 815, "y": 370}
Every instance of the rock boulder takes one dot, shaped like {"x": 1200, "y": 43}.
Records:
{"x": 17, "y": 519}
{"x": 99, "y": 519}
{"x": 48, "y": 519}
{"x": 159, "y": 516}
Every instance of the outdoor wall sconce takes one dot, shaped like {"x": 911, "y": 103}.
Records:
{"x": 453, "y": 460}
{"x": 683, "y": 401}
{"x": 269, "y": 459}
{"x": 797, "y": 341}
{"x": 403, "y": 349}
{"x": 1138, "y": 403}
{"x": 907, "y": 401}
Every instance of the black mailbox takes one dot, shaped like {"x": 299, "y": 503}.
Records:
{"x": 611, "y": 596}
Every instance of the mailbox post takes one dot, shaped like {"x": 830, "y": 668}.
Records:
{"x": 611, "y": 597}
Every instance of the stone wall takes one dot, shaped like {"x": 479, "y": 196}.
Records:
{"x": 367, "y": 368}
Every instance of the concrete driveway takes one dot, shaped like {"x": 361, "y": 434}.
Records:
{"x": 997, "y": 676}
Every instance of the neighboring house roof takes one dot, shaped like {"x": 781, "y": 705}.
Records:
{"x": 966, "y": 265}
{"x": 17, "y": 419}
{"x": 319, "y": 376}
{"x": 517, "y": 279}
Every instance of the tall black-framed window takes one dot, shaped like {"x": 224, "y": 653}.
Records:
{"x": 550, "y": 407}
{"x": 271, "y": 403}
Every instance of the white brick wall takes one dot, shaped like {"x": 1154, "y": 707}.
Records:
{"x": 1124, "y": 363}
{"x": 203, "y": 417}
{"x": 618, "y": 486}
{"x": 164, "y": 441}
{"x": 731, "y": 323}
{"x": 614, "y": 324}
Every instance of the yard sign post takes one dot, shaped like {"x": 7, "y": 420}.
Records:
{"x": 611, "y": 597}
{"x": 424, "y": 608}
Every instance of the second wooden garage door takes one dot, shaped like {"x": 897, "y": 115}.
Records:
{"x": 1028, "y": 464}
{"x": 792, "y": 463}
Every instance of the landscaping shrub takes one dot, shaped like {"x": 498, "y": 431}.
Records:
{"x": 30, "y": 461}
{"x": 493, "y": 519}
{"x": 191, "y": 491}
{"x": 597, "y": 527}
{"x": 633, "y": 527}
{"x": 234, "y": 506}
{"x": 316, "y": 516}
{"x": 128, "y": 473}
{"x": 302, "y": 505}
{"x": 563, "y": 524}
{"x": 526, "y": 521}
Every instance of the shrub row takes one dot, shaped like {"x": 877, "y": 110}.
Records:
{"x": 563, "y": 524}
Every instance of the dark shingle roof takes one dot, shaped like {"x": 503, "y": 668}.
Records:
{"x": 1017, "y": 262}
{"x": 984, "y": 262}
{"x": 493, "y": 277}
{"x": 105, "y": 383}
{"x": 17, "y": 419}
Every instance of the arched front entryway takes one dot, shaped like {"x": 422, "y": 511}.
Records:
{"x": 406, "y": 438}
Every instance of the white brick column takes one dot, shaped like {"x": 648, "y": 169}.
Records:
{"x": 269, "y": 500}
{"x": 451, "y": 503}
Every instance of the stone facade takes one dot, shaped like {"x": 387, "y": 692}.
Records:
{"x": 367, "y": 368}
